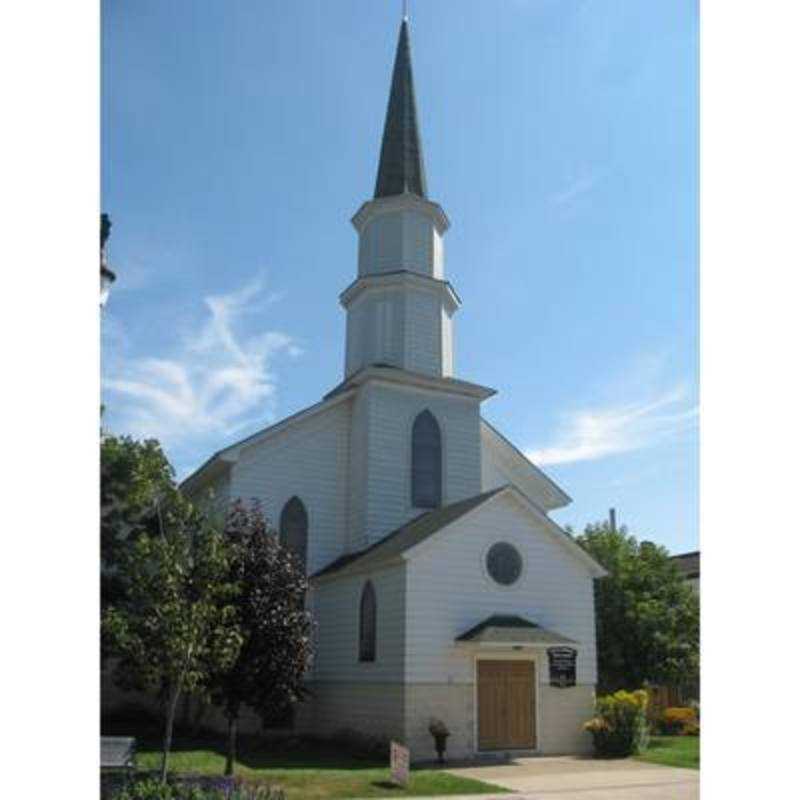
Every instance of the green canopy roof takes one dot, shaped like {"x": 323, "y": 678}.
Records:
{"x": 511, "y": 630}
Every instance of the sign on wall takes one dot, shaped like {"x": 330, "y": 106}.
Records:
{"x": 400, "y": 759}
{"x": 562, "y": 666}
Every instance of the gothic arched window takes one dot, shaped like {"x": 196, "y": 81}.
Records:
{"x": 294, "y": 528}
{"x": 367, "y": 624}
{"x": 426, "y": 462}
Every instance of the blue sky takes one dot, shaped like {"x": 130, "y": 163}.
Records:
{"x": 561, "y": 138}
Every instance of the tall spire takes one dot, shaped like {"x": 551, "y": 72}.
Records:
{"x": 401, "y": 167}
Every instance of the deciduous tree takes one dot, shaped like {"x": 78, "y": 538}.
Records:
{"x": 137, "y": 492}
{"x": 648, "y": 617}
{"x": 270, "y": 613}
{"x": 174, "y": 624}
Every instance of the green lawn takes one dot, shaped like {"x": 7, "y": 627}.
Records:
{"x": 305, "y": 770}
{"x": 673, "y": 751}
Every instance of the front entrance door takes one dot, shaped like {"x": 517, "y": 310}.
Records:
{"x": 505, "y": 705}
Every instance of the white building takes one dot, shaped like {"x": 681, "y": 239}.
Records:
{"x": 439, "y": 582}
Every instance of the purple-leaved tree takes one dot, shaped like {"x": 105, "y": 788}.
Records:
{"x": 275, "y": 626}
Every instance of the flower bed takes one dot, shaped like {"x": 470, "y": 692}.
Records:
{"x": 679, "y": 721}
{"x": 184, "y": 787}
{"x": 619, "y": 726}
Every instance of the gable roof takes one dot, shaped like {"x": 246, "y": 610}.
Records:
{"x": 407, "y": 536}
{"x": 527, "y": 470}
{"x": 510, "y": 629}
{"x": 418, "y": 530}
{"x": 688, "y": 564}
{"x": 222, "y": 459}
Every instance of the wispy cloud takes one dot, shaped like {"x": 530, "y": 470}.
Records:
{"x": 576, "y": 188}
{"x": 215, "y": 382}
{"x": 592, "y": 433}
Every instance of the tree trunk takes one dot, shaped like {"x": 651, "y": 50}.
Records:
{"x": 200, "y": 708}
{"x": 232, "y": 730}
{"x": 186, "y": 712}
{"x": 172, "y": 706}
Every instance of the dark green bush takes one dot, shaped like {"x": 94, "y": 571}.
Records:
{"x": 361, "y": 745}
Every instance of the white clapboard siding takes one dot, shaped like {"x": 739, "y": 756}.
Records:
{"x": 404, "y": 326}
{"x": 448, "y": 356}
{"x": 308, "y": 459}
{"x": 213, "y": 495}
{"x": 423, "y": 332}
{"x": 336, "y": 606}
{"x": 401, "y": 240}
{"x": 375, "y": 325}
{"x": 389, "y": 414}
{"x": 449, "y": 591}
{"x": 501, "y": 464}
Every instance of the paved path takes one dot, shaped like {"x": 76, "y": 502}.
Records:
{"x": 576, "y": 778}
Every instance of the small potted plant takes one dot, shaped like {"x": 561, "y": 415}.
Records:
{"x": 440, "y": 732}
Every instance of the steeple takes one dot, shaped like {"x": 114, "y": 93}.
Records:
{"x": 401, "y": 167}
{"x": 400, "y": 307}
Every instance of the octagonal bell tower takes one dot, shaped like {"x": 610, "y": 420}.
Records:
{"x": 400, "y": 307}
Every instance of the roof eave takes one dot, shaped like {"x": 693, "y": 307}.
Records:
{"x": 400, "y": 278}
{"x": 230, "y": 454}
{"x": 563, "y": 498}
{"x": 396, "y": 375}
{"x": 399, "y": 202}
{"x": 216, "y": 465}
{"x": 562, "y": 642}
{"x": 358, "y": 568}
{"x": 595, "y": 569}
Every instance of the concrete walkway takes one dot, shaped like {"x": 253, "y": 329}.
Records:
{"x": 576, "y": 778}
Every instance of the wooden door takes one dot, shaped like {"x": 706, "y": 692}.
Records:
{"x": 506, "y": 705}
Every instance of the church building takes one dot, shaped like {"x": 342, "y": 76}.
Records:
{"x": 440, "y": 586}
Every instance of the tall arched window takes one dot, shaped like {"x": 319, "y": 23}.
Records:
{"x": 426, "y": 462}
{"x": 294, "y": 528}
{"x": 367, "y": 624}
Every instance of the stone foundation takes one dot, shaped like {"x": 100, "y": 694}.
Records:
{"x": 370, "y": 709}
{"x": 453, "y": 703}
{"x": 562, "y": 713}
{"x": 560, "y": 719}
{"x": 394, "y": 711}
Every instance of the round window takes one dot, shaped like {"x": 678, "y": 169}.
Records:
{"x": 504, "y": 563}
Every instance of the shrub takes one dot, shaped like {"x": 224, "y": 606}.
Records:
{"x": 361, "y": 745}
{"x": 674, "y": 721}
{"x": 691, "y": 729}
{"x": 197, "y": 789}
{"x": 151, "y": 789}
{"x": 619, "y": 726}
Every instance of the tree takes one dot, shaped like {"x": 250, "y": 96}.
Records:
{"x": 648, "y": 617}
{"x": 276, "y": 628}
{"x": 173, "y": 625}
{"x": 137, "y": 492}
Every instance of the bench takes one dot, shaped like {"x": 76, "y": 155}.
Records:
{"x": 118, "y": 752}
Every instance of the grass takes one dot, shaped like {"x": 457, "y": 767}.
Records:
{"x": 673, "y": 751}
{"x": 304, "y": 769}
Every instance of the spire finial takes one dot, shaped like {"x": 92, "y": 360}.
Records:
{"x": 405, "y": 10}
